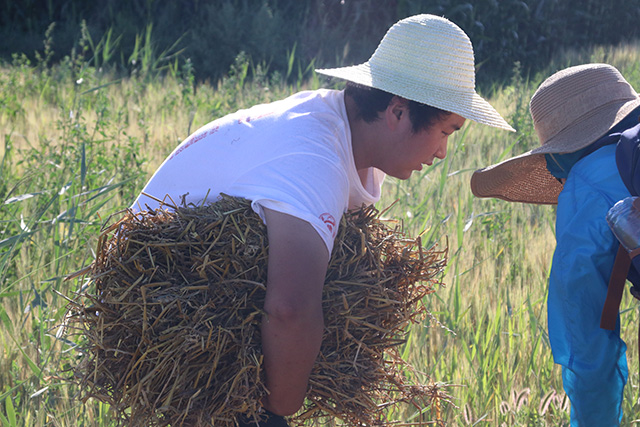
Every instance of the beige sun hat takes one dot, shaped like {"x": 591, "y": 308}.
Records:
{"x": 427, "y": 59}
{"x": 571, "y": 109}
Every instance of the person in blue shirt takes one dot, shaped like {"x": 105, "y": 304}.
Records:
{"x": 578, "y": 114}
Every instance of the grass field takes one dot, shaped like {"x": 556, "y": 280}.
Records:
{"x": 78, "y": 144}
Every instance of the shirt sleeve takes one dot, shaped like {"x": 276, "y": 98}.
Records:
{"x": 305, "y": 186}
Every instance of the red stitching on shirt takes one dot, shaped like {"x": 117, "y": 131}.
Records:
{"x": 330, "y": 222}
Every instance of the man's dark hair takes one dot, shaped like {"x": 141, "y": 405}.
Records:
{"x": 371, "y": 101}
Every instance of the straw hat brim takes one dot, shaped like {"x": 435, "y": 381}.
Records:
{"x": 463, "y": 101}
{"x": 525, "y": 178}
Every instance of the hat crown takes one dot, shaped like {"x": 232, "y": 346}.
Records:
{"x": 427, "y": 48}
{"x": 569, "y": 100}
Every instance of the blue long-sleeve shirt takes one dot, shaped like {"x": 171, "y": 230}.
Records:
{"x": 593, "y": 360}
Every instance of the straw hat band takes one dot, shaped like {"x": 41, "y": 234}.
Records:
{"x": 571, "y": 110}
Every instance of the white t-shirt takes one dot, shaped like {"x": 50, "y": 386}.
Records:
{"x": 292, "y": 156}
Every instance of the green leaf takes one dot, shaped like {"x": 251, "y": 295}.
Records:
{"x": 15, "y": 239}
{"x": 11, "y": 412}
{"x": 34, "y": 368}
{"x": 6, "y": 321}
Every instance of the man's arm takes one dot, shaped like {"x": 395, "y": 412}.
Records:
{"x": 293, "y": 325}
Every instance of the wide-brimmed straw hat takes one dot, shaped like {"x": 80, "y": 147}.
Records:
{"x": 571, "y": 109}
{"x": 427, "y": 59}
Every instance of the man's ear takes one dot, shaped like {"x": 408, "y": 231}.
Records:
{"x": 397, "y": 108}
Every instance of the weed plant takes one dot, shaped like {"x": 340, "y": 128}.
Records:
{"x": 78, "y": 143}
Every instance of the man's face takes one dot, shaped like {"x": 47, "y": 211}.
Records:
{"x": 413, "y": 150}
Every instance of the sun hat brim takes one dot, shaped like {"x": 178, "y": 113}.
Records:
{"x": 464, "y": 101}
{"x": 525, "y": 178}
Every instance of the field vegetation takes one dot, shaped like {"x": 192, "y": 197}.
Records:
{"x": 80, "y": 140}
{"x": 326, "y": 32}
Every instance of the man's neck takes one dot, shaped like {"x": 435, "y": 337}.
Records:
{"x": 360, "y": 136}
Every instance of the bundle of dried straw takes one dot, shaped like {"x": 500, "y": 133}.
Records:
{"x": 170, "y": 324}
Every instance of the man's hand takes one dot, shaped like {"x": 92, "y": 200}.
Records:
{"x": 293, "y": 325}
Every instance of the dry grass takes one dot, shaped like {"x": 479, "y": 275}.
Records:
{"x": 171, "y": 321}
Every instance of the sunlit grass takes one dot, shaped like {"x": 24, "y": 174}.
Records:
{"x": 78, "y": 143}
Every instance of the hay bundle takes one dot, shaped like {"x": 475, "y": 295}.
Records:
{"x": 171, "y": 325}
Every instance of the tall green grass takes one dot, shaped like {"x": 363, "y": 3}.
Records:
{"x": 78, "y": 144}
